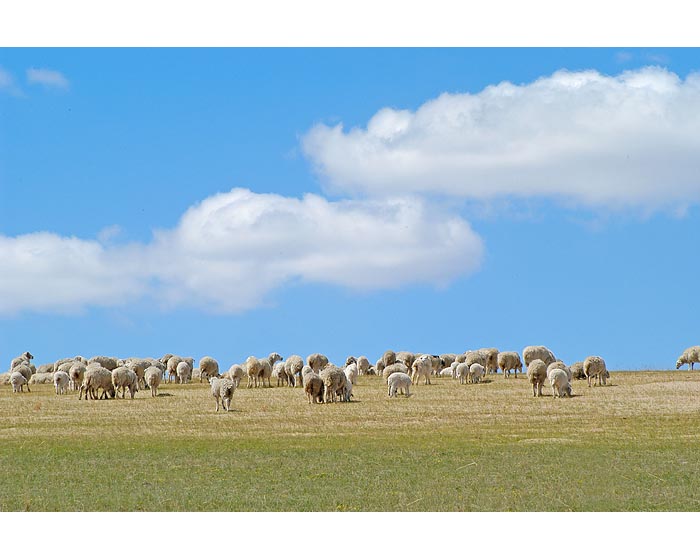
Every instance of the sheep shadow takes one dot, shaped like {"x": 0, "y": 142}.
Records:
{"x": 159, "y": 395}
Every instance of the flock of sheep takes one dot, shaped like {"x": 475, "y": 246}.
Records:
{"x": 322, "y": 381}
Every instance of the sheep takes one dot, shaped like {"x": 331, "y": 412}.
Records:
{"x": 5, "y": 378}
{"x": 491, "y": 358}
{"x": 445, "y": 371}
{"x": 389, "y": 358}
{"x": 184, "y": 372}
{"x": 208, "y": 367}
{"x": 558, "y": 364}
{"x": 267, "y": 365}
{"x": 139, "y": 366}
{"x": 345, "y": 391}
{"x": 252, "y": 368}
{"x": 171, "y": 368}
{"x": 690, "y": 356}
{"x": 436, "y": 363}
{"x": 362, "y": 365}
{"x": 393, "y": 368}
{"x": 222, "y": 389}
{"x": 594, "y": 367}
{"x": 537, "y": 374}
{"x": 371, "y": 371}
{"x": 379, "y": 366}
{"x": 475, "y": 357}
{"x": 235, "y": 373}
{"x": 24, "y": 369}
{"x": 350, "y": 360}
{"x": 317, "y": 362}
{"x": 106, "y": 362}
{"x": 476, "y": 372}
{"x": 351, "y": 372}
{"x": 18, "y": 381}
{"x": 508, "y": 361}
{"x": 560, "y": 382}
{"x": 447, "y": 359}
{"x": 537, "y": 353}
{"x": 577, "y": 370}
{"x": 313, "y": 386}
{"x": 65, "y": 366}
{"x": 399, "y": 381}
{"x": 97, "y": 377}
{"x": 76, "y": 373}
{"x": 24, "y": 357}
{"x": 124, "y": 378}
{"x": 422, "y": 367}
{"x": 45, "y": 368}
{"x": 292, "y": 367}
{"x": 406, "y": 358}
{"x": 333, "y": 379}
{"x": 461, "y": 371}
{"x": 41, "y": 378}
{"x": 153, "y": 375}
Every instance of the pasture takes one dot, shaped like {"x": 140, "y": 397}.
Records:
{"x": 628, "y": 446}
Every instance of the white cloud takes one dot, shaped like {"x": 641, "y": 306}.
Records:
{"x": 47, "y": 78}
{"x": 231, "y": 250}
{"x": 7, "y": 83}
{"x": 578, "y": 137}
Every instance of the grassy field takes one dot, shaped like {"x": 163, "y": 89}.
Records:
{"x": 630, "y": 446}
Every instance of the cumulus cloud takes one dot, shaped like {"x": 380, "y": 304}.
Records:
{"x": 577, "y": 137}
{"x": 47, "y": 78}
{"x": 231, "y": 250}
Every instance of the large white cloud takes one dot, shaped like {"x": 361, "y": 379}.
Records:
{"x": 230, "y": 251}
{"x": 579, "y": 137}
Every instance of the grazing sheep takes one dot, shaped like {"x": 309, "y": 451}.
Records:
{"x": 475, "y": 357}
{"x": 279, "y": 373}
{"x": 560, "y": 382}
{"x": 222, "y": 389}
{"x": 235, "y": 373}
{"x": 24, "y": 357}
{"x": 351, "y": 372}
{"x": 537, "y": 353}
{"x": 292, "y": 367}
{"x": 406, "y": 358}
{"x": 208, "y": 367}
{"x": 171, "y": 368}
{"x": 333, "y": 379}
{"x": 537, "y": 375}
{"x": 594, "y": 368}
{"x": 690, "y": 356}
{"x": 76, "y": 373}
{"x": 253, "y": 367}
{"x": 5, "y": 378}
{"x": 18, "y": 381}
{"x": 447, "y": 359}
{"x": 41, "y": 378}
{"x": 461, "y": 372}
{"x": 317, "y": 362}
{"x": 124, "y": 378}
{"x": 313, "y": 386}
{"x": 577, "y": 370}
{"x": 362, "y": 365}
{"x": 139, "y": 366}
{"x": 267, "y": 365}
{"x": 96, "y": 378}
{"x": 379, "y": 366}
{"x": 345, "y": 392}
{"x": 45, "y": 368}
{"x": 476, "y": 372}
{"x": 445, "y": 371}
{"x": 184, "y": 372}
{"x": 106, "y": 362}
{"x": 393, "y": 368}
{"x": 508, "y": 361}
{"x": 389, "y": 358}
{"x": 153, "y": 375}
{"x": 399, "y": 381}
{"x": 491, "y": 359}
{"x": 422, "y": 367}
{"x": 558, "y": 364}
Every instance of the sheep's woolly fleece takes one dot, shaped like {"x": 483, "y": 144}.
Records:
{"x": 239, "y": 247}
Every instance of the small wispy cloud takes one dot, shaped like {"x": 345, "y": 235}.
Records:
{"x": 47, "y": 78}
{"x": 7, "y": 83}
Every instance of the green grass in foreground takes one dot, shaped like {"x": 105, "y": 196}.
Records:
{"x": 632, "y": 446}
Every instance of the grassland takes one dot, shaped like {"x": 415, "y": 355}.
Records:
{"x": 633, "y": 445}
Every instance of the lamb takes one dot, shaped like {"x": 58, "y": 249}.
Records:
{"x": 594, "y": 367}
{"x": 24, "y": 357}
{"x": 461, "y": 371}
{"x": 508, "y": 361}
{"x": 184, "y": 372}
{"x": 106, "y": 362}
{"x": 317, "y": 362}
{"x": 690, "y": 356}
{"x": 393, "y": 368}
{"x": 76, "y": 373}
{"x": 422, "y": 367}
{"x": 41, "y": 378}
{"x": 491, "y": 358}
{"x": 577, "y": 370}
{"x": 351, "y": 372}
{"x": 97, "y": 377}
{"x": 560, "y": 382}
{"x": 18, "y": 381}
{"x": 208, "y": 367}
{"x": 362, "y": 365}
{"x": 292, "y": 367}
{"x": 537, "y": 375}
{"x": 171, "y": 368}
{"x": 222, "y": 389}
{"x": 124, "y": 378}
{"x": 333, "y": 379}
{"x": 399, "y": 381}
{"x": 445, "y": 371}
{"x": 153, "y": 375}
{"x": 476, "y": 372}
{"x": 267, "y": 365}
{"x": 235, "y": 373}
{"x": 558, "y": 364}
{"x": 313, "y": 386}
{"x": 537, "y": 353}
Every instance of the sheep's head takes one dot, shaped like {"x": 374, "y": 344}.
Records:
{"x": 350, "y": 360}
{"x": 567, "y": 390}
{"x": 679, "y": 363}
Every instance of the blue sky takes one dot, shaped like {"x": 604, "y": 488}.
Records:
{"x": 370, "y": 210}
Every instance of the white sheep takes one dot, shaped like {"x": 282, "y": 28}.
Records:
{"x": 333, "y": 379}
{"x": 96, "y": 378}
{"x": 222, "y": 389}
{"x": 690, "y": 356}
{"x": 508, "y": 361}
{"x": 389, "y": 358}
{"x": 537, "y": 353}
{"x": 445, "y": 371}
{"x": 153, "y": 375}
{"x": 461, "y": 372}
{"x": 267, "y": 365}
{"x": 106, "y": 362}
{"x": 317, "y": 362}
{"x": 45, "y": 368}
{"x": 208, "y": 367}
{"x": 594, "y": 368}
{"x": 379, "y": 367}
{"x": 313, "y": 385}
{"x": 292, "y": 367}
{"x": 537, "y": 375}
{"x": 351, "y": 372}
{"x": 558, "y": 364}
{"x": 184, "y": 372}
{"x": 362, "y": 365}
{"x": 24, "y": 357}
{"x": 560, "y": 382}
{"x": 399, "y": 381}
{"x": 41, "y": 378}
{"x": 577, "y": 370}
{"x": 476, "y": 372}
{"x": 422, "y": 367}
{"x": 235, "y": 373}
{"x": 18, "y": 381}
{"x": 491, "y": 359}
{"x": 393, "y": 368}
{"x": 124, "y": 378}
{"x": 253, "y": 367}
{"x": 76, "y": 373}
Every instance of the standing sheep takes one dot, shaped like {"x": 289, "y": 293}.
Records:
{"x": 292, "y": 367}
{"x": 491, "y": 359}
{"x": 389, "y": 358}
{"x": 351, "y": 372}
{"x": 393, "y": 368}
{"x": 184, "y": 372}
{"x": 362, "y": 365}
{"x": 476, "y": 372}
{"x": 253, "y": 367}
{"x": 508, "y": 361}
{"x": 18, "y": 381}
{"x": 537, "y": 375}
{"x": 594, "y": 368}
{"x": 558, "y": 364}
{"x": 267, "y": 365}
{"x": 537, "y": 353}
{"x": 399, "y": 381}
{"x": 690, "y": 356}
{"x": 24, "y": 357}
{"x": 208, "y": 367}
{"x": 313, "y": 386}
{"x": 461, "y": 372}
{"x": 76, "y": 372}
{"x": 422, "y": 367}
{"x": 317, "y": 362}
{"x": 153, "y": 375}
{"x": 222, "y": 389}
{"x": 560, "y": 382}
{"x": 577, "y": 370}
{"x": 60, "y": 381}
{"x": 406, "y": 358}
{"x": 106, "y": 362}
{"x": 96, "y": 378}
{"x": 124, "y": 378}
{"x": 333, "y": 379}
{"x": 235, "y": 373}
